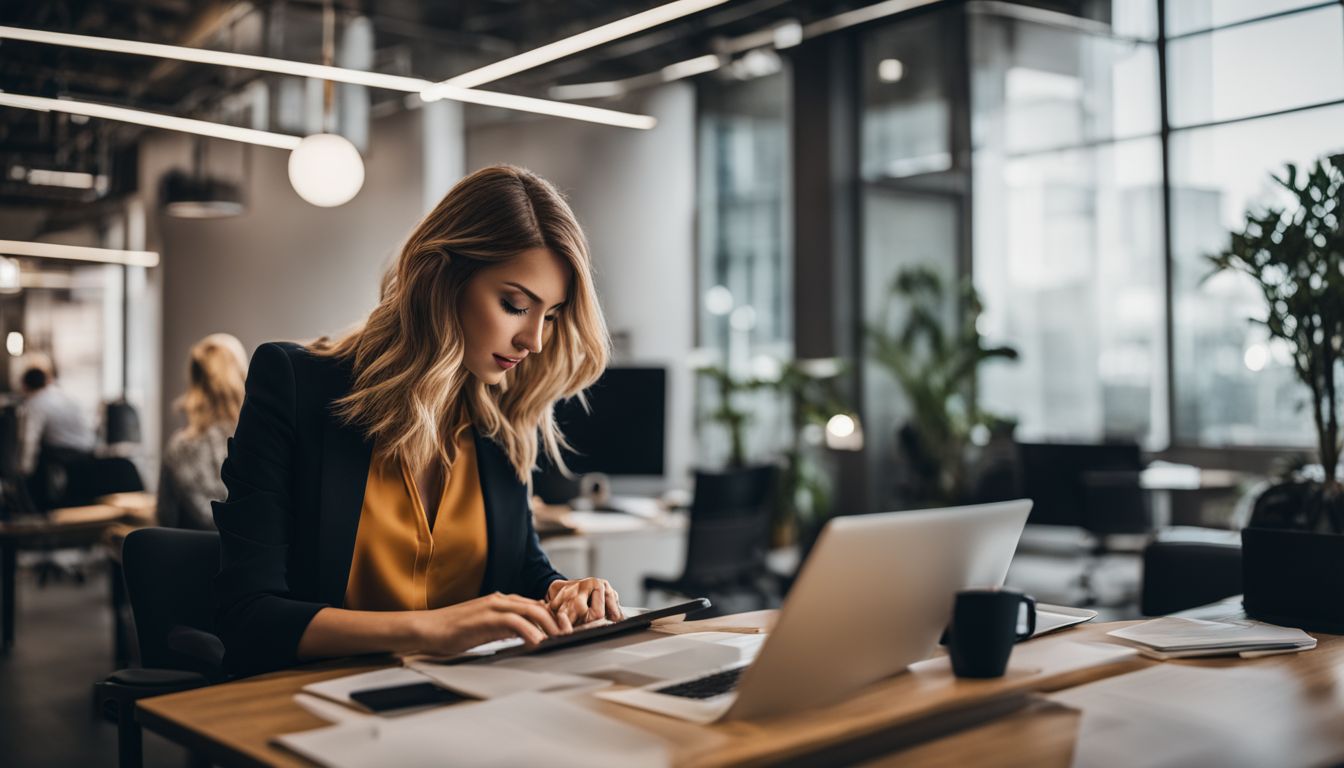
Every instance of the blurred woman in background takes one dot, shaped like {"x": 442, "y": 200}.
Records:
{"x": 190, "y": 478}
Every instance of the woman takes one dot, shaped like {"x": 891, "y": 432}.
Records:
{"x": 378, "y": 483}
{"x": 189, "y": 479}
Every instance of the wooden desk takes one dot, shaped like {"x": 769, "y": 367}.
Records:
{"x": 80, "y": 524}
{"x": 1298, "y": 718}
{"x": 232, "y": 724}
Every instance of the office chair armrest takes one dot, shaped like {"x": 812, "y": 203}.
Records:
{"x": 202, "y": 647}
{"x": 168, "y": 679}
{"x": 116, "y": 695}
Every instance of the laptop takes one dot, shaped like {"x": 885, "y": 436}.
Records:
{"x": 873, "y": 598}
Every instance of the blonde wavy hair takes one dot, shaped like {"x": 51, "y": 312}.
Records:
{"x": 412, "y": 395}
{"x": 215, "y": 383}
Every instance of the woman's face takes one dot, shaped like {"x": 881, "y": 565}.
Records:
{"x": 508, "y": 310}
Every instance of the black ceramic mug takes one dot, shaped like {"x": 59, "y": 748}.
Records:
{"x": 984, "y": 628}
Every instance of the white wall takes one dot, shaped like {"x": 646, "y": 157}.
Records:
{"x": 285, "y": 269}
{"x": 634, "y": 193}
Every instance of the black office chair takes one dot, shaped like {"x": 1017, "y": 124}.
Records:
{"x": 97, "y": 476}
{"x": 1188, "y": 567}
{"x": 728, "y": 537}
{"x": 1094, "y": 487}
{"x": 1114, "y": 504}
{"x": 168, "y": 576}
{"x": 77, "y": 482}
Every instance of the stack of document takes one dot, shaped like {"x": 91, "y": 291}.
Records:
{"x": 1177, "y": 638}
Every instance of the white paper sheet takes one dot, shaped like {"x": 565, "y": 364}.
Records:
{"x": 596, "y": 660}
{"x": 1172, "y": 633}
{"x": 1050, "y": 618}
{"x": 511, "y": 731}
{"x": 330, "y": 710}
{"x": 339, "y": 689}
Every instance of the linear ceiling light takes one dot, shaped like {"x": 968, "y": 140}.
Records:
{"x": 689, "y": 68}
{"x": 610, "y": 88}
{"x": 67, "y": 179}
{"x": 861, "y": 15}
{"x": 545, "y": 107}
{"x": 79, "y": 253}
{"x": 570, "y": 45}
{"x": 152, "y": 119}
{"x": 335, "y": 74}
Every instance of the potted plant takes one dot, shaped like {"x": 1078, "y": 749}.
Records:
{"x": 937, "y": 371}
{"x": 727, "y": 413}
{"x": 1294, "y": 543}
{"x": 813, "y": 391}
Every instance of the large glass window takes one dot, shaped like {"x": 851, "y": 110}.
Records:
{"x": 1234, "y": 386}
{"x": 1068, "y": 239}
{"x": 913, "y": 202}
{"x": 1185, "y": 16}
{"x": 1068, "y": 228}
{"x": 1252, "y": 69}
{"x": 745, "y": 272}
{"x": 1069, "y": 266}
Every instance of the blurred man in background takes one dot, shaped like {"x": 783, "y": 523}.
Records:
{"x": 53, "y": 434}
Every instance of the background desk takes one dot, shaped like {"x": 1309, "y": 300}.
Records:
{"x": 71, "y": 526}
{"x": 620, "y": 548}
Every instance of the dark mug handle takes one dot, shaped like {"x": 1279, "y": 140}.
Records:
{"x": 1030, "y": 602}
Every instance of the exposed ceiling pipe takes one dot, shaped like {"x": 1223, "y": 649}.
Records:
{"x": 208, "y": 22}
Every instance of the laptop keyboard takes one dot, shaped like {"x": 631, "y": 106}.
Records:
{"x": 705, "y": 687}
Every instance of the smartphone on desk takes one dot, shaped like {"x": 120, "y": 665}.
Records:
{"x": 404, "y": 696}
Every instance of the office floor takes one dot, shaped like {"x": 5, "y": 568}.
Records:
{"x": 63, "y": 644}
{"x": 1053, "y": 565}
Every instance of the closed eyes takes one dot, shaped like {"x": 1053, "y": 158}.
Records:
{"x": 513, "y": 310}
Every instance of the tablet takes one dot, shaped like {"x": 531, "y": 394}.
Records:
{"x": 583, "y": 635}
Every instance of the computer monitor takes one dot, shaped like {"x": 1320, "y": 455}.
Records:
{"x": 622, "y": 433}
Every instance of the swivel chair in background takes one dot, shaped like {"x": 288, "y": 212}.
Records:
{"x": 728, "y": 536}
{"x": 168, "y": 578}
{"x": 1094, "y": 487}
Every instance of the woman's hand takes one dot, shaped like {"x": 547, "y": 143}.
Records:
{"x": 580, "y": 601}
{"x": 451, "y": 630}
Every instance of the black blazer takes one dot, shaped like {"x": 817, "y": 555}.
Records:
{"x": 295, "y": 476}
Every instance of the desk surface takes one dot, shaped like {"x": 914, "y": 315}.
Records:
{"x": 900, "y": 718}
{"x": 136, "y": 508}
{"x": 233, "y": 723}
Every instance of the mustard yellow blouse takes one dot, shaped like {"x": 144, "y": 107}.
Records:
{"x": 399, "y": 562}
